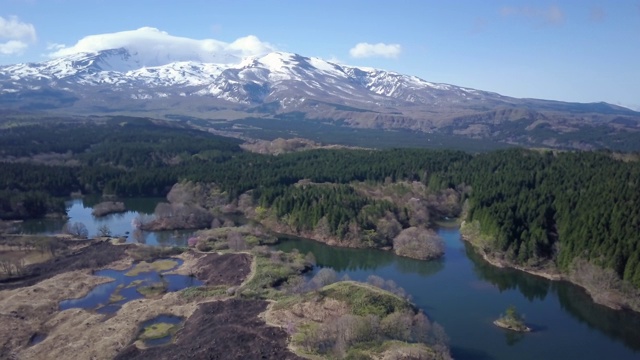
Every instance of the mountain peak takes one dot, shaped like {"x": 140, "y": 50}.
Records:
{"x": 284, "y": 81}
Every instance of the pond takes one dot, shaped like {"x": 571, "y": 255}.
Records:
{"x": 159, "y": 330}
{"x": 131, "y": 284}
{"x": 461, "y": 292}
{"x": 465, "y": 294}
{"x": 120, "y": 224}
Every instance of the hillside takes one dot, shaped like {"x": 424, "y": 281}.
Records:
{"x": 280, "y": 86}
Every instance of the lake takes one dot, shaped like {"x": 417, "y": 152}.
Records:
{"x": 461, "y": 292}
{"x": 465, "y": 294}
{"x": 79, "y": 210}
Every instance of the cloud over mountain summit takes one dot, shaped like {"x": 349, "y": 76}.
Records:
{"x": 161, "y": 45}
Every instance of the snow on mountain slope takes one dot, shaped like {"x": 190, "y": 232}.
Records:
{"x": 275, "y": 76}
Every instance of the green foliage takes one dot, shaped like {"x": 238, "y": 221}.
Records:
{"x": 272, "y": 270}
{"x": 305, "y": 206}
{"x": 535, "y": 206}
{"x": 28, "y": 204}
{"x": 543, "y": 206}
{"x": 364, "y": 299}
{"x": 378, "y": 325}
{"x": 513, "y": 319}
{"x": 153, "y": 290}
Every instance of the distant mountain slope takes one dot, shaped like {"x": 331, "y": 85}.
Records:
{"x": 122, "y": 80}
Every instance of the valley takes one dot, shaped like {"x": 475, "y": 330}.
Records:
{"x": 361, "y": 180}
{"x": 357, "y": 200}
{"x": 287, "y": 90}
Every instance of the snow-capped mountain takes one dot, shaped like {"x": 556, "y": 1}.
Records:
{"x": 277, "y": 76}
{"x": 278, "y": 82}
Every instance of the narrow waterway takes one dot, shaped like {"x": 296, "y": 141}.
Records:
{"x": 461, "y": 292}
{"x": 465, "y": 294}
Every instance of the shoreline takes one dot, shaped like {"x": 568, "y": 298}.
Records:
{"x": 598, "y": 296}
{"x": 282, "y": 230}
{"x": 501, "y": 324}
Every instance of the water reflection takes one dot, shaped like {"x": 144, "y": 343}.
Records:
{"x": 139, "y": 236}
{"x": 351, "y": 260}
{"x": 563, "y": 315}
{"x": 513, "y": 337}
{"x": 621, "y": 325}
{"x": 532, "y": 287}
{"x": 120, "y": 224}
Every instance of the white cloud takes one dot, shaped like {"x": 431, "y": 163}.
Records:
{"x": 362, "y": 50}
{"x": 14, "y": 29}
{"x": 552, "y": 15}
{"x": 16, "y": 35}
{"x": 13, "y": 47}
{"x": 161, "y": 45}
{"x": 54, "y": 46}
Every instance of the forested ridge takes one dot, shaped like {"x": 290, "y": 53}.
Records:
{"x": 536, "y": 205}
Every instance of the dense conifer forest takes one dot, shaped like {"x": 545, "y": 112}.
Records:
{"x": 536, "y": 205}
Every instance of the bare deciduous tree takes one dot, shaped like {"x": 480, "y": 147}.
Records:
{"x": 419, "y": 243}
{"x": 76, "y": 229}
{"x": 397, "y": 326}
{"x": 323, "y": 278}
{"x": 104, "y": 231}
{"x": 12, "y": 266}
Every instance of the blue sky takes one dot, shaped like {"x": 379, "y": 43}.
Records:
{"x": 567, "y": 50}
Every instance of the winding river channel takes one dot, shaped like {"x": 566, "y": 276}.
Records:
{"x": 461, "y": 292}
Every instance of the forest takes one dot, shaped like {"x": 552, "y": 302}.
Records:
{"x": 536, "y": 205}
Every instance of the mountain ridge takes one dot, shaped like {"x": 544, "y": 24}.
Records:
{"x": 121, "y": 80}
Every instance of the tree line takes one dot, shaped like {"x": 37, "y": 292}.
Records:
{"x": 536, "y": 205}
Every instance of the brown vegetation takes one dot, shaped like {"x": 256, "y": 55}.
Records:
{"x": 76, "y": 229}
{"x": 352, "y": 320}
{"x": 225, "y": 269}
{"x": 92, "y": 256}
{"x": 235, "y": 238}
{"x": 108, "y": 207}
{"x": 33, "y": 309}
{"x": 222, "y": 330}
{"x": 282, "y": 146}
{"x": 178, "y": 216}
{"x": 604, "y": 286}
{"x": 418, "y": 243}
{"x": 190, "y": 206}
{"x": 26, "y": 311}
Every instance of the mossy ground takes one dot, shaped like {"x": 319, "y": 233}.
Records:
{"x": 157, "y": 331}
{"x": 158, "y": 266}
{"x": 364, "y": 299}
{"x": 153, "y": 290}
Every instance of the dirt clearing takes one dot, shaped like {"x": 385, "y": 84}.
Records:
{"x": 228, "y": 329}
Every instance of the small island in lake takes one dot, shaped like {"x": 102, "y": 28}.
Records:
{"x": 108, "y": 207}
{"x": 512, "y": 320}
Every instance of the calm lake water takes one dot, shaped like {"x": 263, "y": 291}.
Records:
{"x": 461, "y": 292}
{"x": 465, "y": 294}
{"x": 79, "y": 210}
